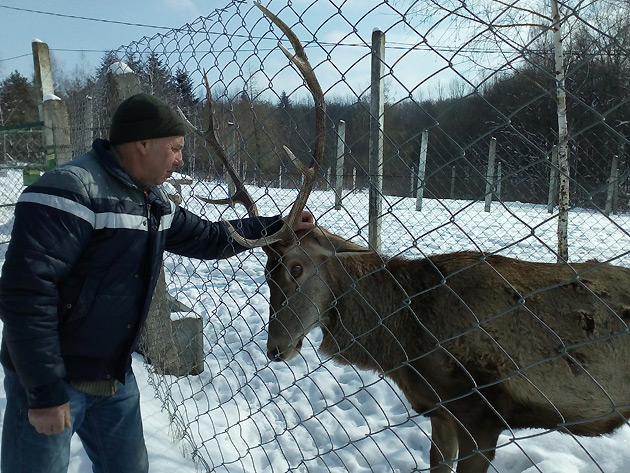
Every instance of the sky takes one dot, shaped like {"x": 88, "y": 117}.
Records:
{"x": 76, "y": 42}
{"x": 79, "y": 33}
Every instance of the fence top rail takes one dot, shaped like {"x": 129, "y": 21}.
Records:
{"x": 29, "y": 126}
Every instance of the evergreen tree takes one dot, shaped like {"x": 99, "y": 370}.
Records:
{"x": 18, "y": 100}
{"x": 184, "y": 87}
{"x": 107, "y": 60}
{"x": 156, "y": 79}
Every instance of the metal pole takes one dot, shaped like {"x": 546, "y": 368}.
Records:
{"x": 612, "y": 184}
{"x": 498, "y": 181}
{"x": 377, "y": 122}
{"x": 341, "y": 147}
{"x": 490, "y": 173}
{"x": 231, "y": 142}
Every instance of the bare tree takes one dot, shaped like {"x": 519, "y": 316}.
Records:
{"x": 511, "y": 28}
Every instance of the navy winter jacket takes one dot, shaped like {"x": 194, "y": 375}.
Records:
{"x": 80, "y": 270}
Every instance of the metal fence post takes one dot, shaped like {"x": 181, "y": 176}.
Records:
{"x": 231, "y": 145}
{"x": 612, "y": 185}
{"x": 341, "y": 147}
{"x": 498, "y": 181}
{"x": 490, "y": 173}
{"x": 377, "y": 122}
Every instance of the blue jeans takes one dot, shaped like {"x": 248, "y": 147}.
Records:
{"x": 110, "y": 428}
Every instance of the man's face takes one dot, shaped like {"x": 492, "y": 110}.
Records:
{"x": 161, "y": 158}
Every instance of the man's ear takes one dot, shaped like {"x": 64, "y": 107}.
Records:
{"x": 142, "y": 146}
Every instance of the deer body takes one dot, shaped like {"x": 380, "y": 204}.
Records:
{"x": 478, "y": 344}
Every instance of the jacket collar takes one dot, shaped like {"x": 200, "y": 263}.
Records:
{"x": 110, "y": 160}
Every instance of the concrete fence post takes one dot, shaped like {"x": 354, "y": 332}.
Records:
{"x": 52, "y": 110}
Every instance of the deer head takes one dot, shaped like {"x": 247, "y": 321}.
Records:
{"x": 299, "y": 274}
{"x": 298, "y": 293}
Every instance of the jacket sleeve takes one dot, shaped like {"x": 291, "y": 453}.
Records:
{"x": 195, "y": 237}
{"x": 53, "y": 223}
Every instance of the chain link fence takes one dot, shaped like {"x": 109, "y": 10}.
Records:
{"x": 23, "y": 157}
{"x": 471, "y": 79}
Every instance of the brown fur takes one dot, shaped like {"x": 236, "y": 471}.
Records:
{"x": 478, "y": 343}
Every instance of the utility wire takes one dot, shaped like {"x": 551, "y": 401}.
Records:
{"x": 76, "y": 17}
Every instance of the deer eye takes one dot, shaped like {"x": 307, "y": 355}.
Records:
{"x": 296, "y": 270}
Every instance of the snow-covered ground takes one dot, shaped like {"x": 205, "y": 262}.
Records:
{"x": 243, "y": 414}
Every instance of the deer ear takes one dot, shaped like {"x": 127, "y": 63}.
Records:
{"x": 337, "y": 244}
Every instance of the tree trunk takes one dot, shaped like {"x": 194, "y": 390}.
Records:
{"x": 563, "y": 149}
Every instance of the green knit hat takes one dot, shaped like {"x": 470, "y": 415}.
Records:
{"x": 144, "y": 117}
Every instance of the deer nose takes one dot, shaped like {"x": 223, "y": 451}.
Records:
{"x": 274, "y": 354}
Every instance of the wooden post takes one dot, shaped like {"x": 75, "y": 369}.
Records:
{"x": 422, "y": 169}
{"x": 377, "y": 122}
{"x": 354, "y": 179}
{"x": 490, "y": 173}
{"x": 453, "y": 171}
{"x": 341, "y": 148}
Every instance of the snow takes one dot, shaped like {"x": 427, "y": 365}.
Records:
{"x": 245, "y": 414}
{"x": 48, "y": 97}
{"x": 118, "y": 68}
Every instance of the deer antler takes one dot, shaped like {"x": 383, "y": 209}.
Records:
{"x": 241, "y": 195}
{"x": 300, "y": 60}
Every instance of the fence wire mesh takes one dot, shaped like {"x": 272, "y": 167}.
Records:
{"x": 472, "y": 77}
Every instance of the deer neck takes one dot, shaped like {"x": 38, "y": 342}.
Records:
{"x": 354, "y": 328}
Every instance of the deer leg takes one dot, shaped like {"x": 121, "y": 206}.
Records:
{"x": 476, "y": 448}
{"x": 443, "y": 444}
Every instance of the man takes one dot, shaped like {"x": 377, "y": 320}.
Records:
{"x": 83, "y": 261}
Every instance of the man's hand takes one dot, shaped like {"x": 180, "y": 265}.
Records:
{"x": 305, "y": 222}
{"x": 50, "y": 420}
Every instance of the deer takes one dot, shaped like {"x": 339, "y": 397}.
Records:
{"x": 479, "y": 343}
